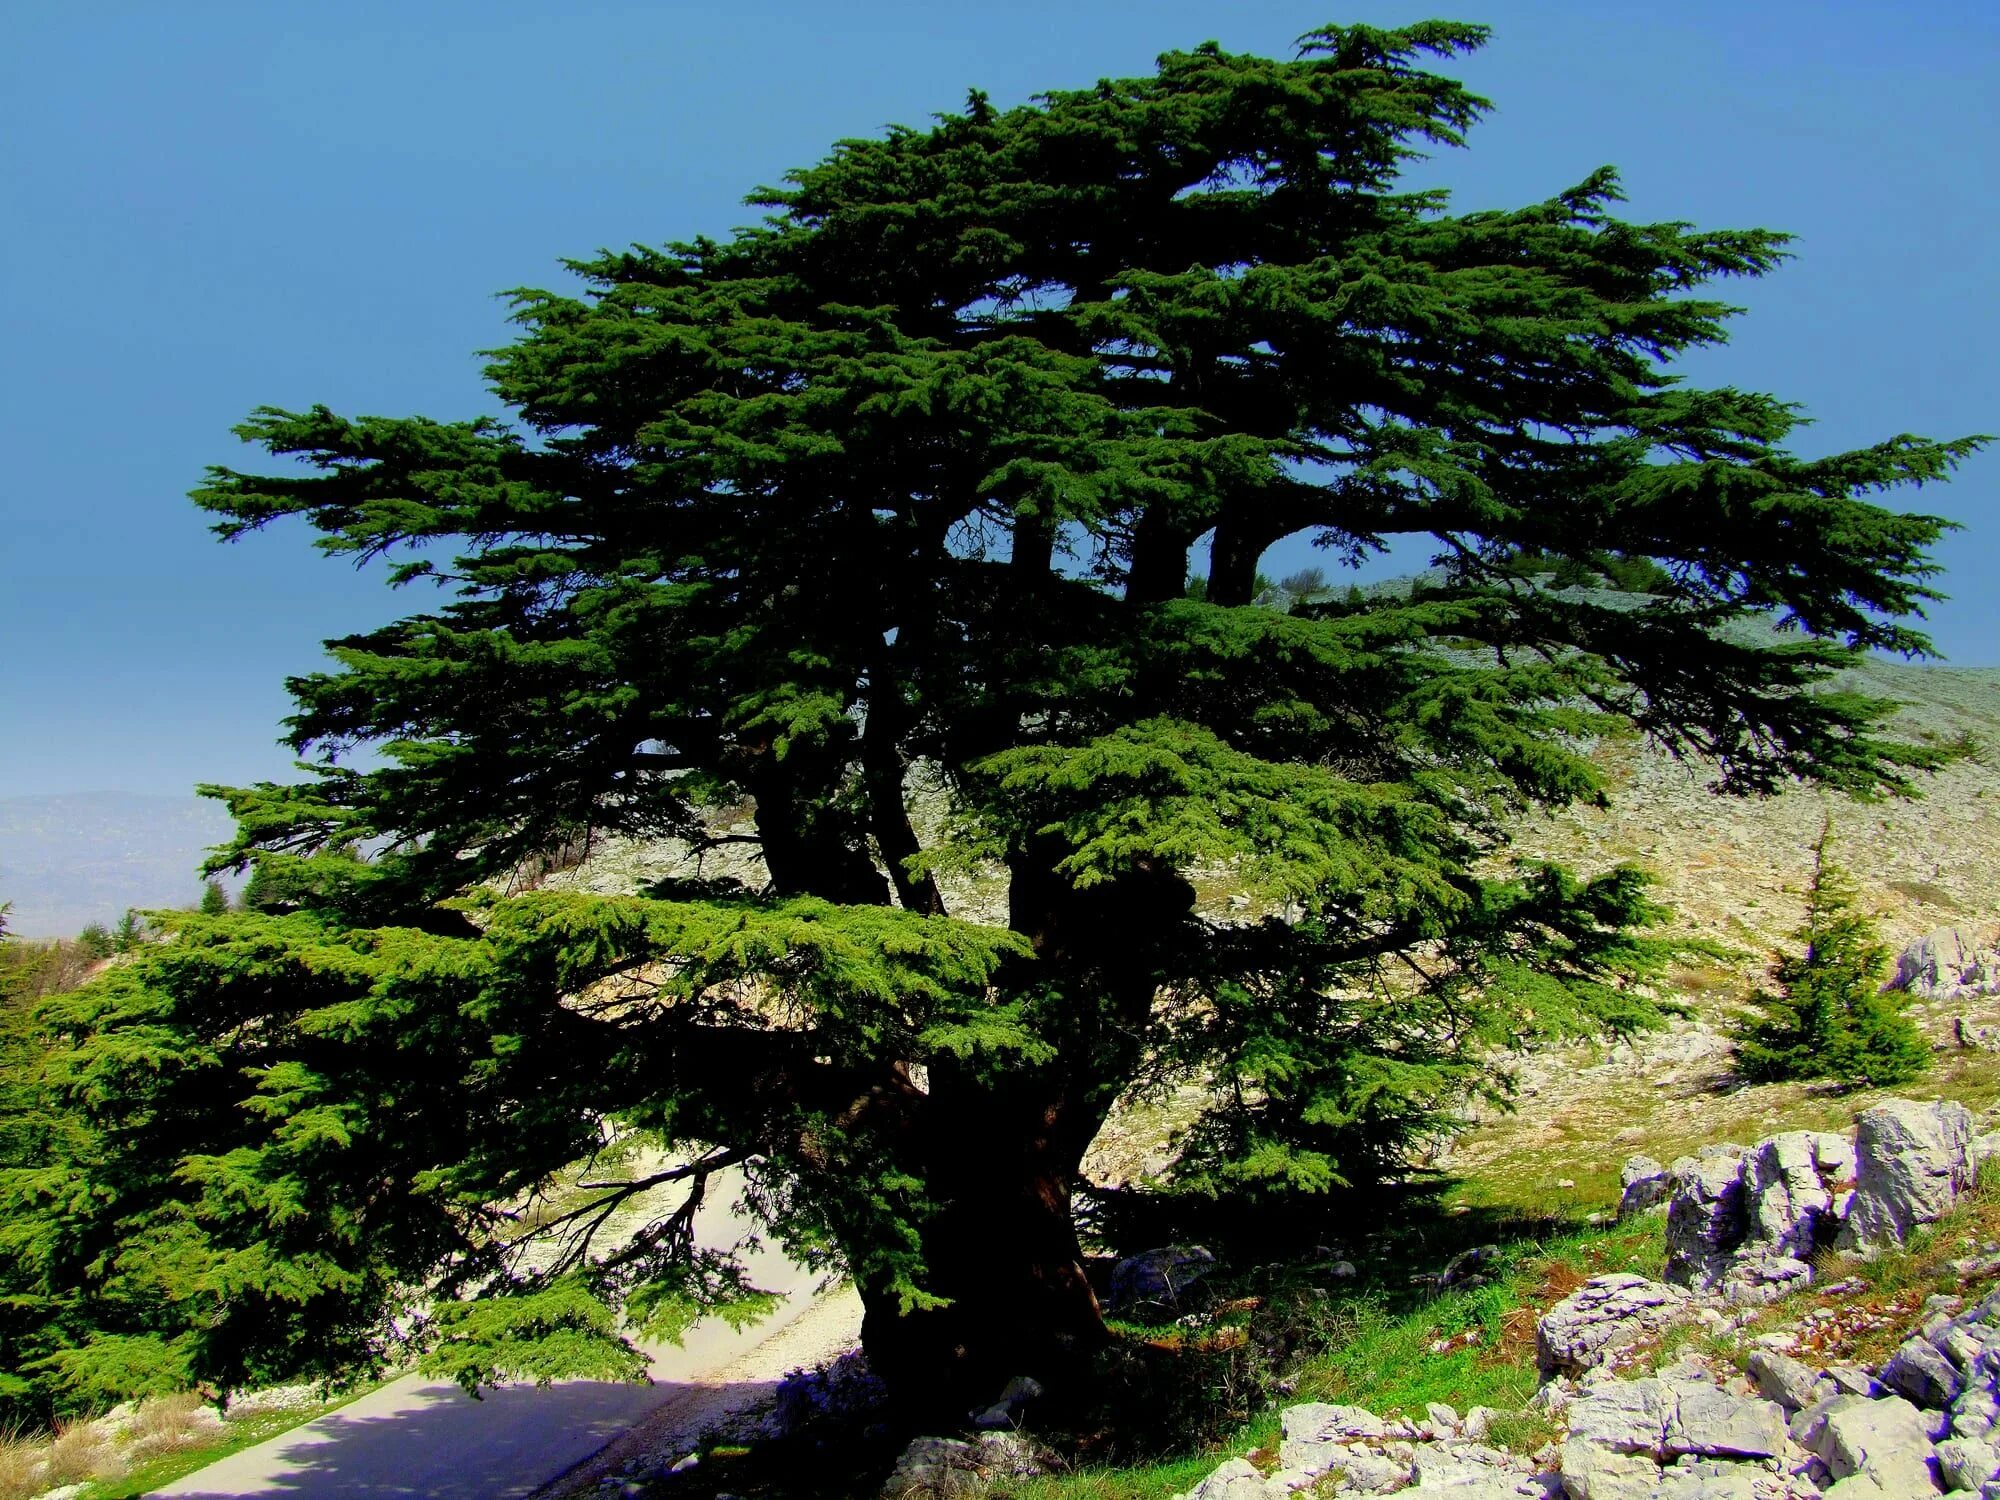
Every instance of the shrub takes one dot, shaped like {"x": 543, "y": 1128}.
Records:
{"x": 81, "y": 1452}
{"x": 20, "y": 1467}
{"x": 164, "y": 1422}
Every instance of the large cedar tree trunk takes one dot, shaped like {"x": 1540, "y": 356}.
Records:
{"x": 1001, "y": 1248}
{"x": 1001, "y": 1158}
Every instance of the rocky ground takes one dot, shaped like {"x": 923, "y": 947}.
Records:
{"x": 1760, "y": 1246}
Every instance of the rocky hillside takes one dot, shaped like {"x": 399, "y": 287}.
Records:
{"x": 1735, "y": 868}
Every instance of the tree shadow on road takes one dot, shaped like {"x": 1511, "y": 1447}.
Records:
{"x": 445, "y": 1446}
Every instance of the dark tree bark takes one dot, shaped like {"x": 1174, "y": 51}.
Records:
{"x": 883, "y": 772}
{"x": 1159, "y": 559}
{"x": 1001, "y": 1158}
{"x": 1001, "y": 1247}
{"x": 810, "y": 846}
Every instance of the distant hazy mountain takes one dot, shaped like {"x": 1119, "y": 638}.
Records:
{"x": 70, "y": 860}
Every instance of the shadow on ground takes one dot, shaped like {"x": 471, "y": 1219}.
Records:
{"x": 441, "y": 1445}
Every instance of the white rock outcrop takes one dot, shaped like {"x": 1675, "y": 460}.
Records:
{"x": 1912, "y": 1162}
{"x": 1604, "y": 1315}
{"x": 1948, "y": 964}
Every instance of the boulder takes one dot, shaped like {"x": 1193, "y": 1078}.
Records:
{"x": 1852, "y": 1380}
{"x": 1786, "y": 1381}
{"x": 1715, "y": 1423}
{"x": 1885, "y": 1440}
{"x": 1976, "y": 1412}
{"x": 1755, "y": 1279}
{"x": 1790, "y": 1184}
{"x": 1006, "y": 1410}
{"x": 1966, "y": 1463}
{"x": 1604, "y": 1315}
{"x": 935, "y": 1468}
{"x": 1948, "y": 965}
{"x": 1645, "y": 1185}
{"x": 1317, "y": 1435}
{"x": 1593, "y": 1472}
{"x": 1371, "y": 1471}
{"x": 1623, "y": 1416}
{"x": 1922, "y": 1372}
{"x": 1236, "y": 1479}
{"x": 1705, "y": 1217}
{"x": 1466, "y": 1469}
{"x": 1746, "y": 1223}
{"x": 1469, "y": 1268}
{"x": 1912, "y": 1163}
{"x": 1155, "y": 1279}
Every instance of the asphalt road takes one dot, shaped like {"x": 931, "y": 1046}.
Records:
{"x": 417, "y": 1437}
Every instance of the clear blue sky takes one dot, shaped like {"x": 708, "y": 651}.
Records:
{"x": 211, "y": 205}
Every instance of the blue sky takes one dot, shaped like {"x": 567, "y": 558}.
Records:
{"x": 208, "y": 206}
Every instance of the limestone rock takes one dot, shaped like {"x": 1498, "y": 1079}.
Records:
{"x": 1645, "y": 1184}
{"x": 1706, "y": 1218}
{"x": 934, "y": 1468}
{"x": 1157, "y": 1278}
{"x": 1009, "y": 1455}
{"x": 1912, "y": 1162}
{"x": 1966, "y": 1463}
{"x": 1318, "y": 1435}
{"x": 1756, "y": 1279}
{"x": 1015, "y": 1395}
{"x": 1623, "y": 1416}
{"x": 1886, "y": 1440}
{"x": 1786, "y": 1381}
{"x": 1468, "y": 1268}
{"x": 1236, "y": 1479}
{"x": 1976, "y": 1412}
{"x": 1604, "y": 1315}
{"x": 1710, "y": 1421}
{"x": 1591, "y": 1471}
{"x": 1922, "y": 1372}
{"x": 1789, "y": 1185}
{"x": 1948, "y": 965}
{"x": 1372, "y": 1471}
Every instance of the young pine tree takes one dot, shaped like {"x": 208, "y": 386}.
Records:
{"x": 1829, "y": 1016}
{"x": 129, "y": 933}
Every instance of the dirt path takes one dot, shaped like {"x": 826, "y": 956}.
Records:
{"x": 830, "y": 1326}
{"x": 423, "y": 1439}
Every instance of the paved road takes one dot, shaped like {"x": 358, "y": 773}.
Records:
{"x": 421, "y": 1439}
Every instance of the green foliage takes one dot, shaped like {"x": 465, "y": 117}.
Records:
{"x": 558, "y": 1331}
{"x": 1829, "y": 1016}
{"x": 214, "y": 899}
{"x": 898, "y": 489}
{"x": 95, "y": 941}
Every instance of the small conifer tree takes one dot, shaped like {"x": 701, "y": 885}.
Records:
{"x": 1829, "y": 1016}
{"x": 214, "y": 899}
{"x": 130, "y": 932}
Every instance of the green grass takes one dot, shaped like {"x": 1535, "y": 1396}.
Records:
{"x": 1383, "y": 1352}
